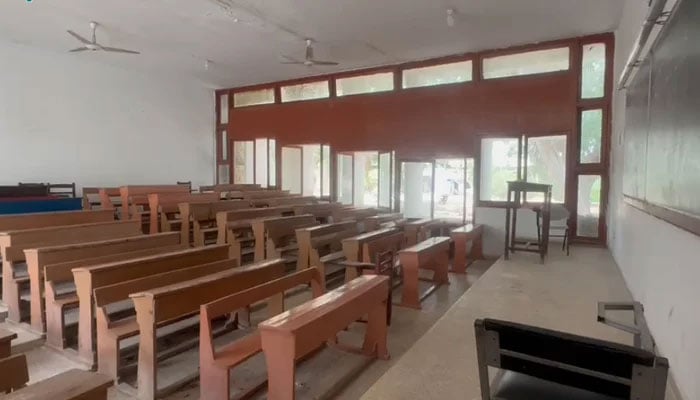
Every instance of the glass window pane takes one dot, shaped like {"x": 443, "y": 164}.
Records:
{"x": 223, "y": 146}
{"x": 385, "y": 180}
{"x": 224, "y": 177}
{"x": 311, "y": 170}
{"x": 593, "y": 71}
{"x": 223, "y": 109}
{"x": 531, "y": 62}
{"x": 254, "y": 97}
{"x": 438, "y": 75}
{"x": 273, "y": 162}
{"x": 499, "y": 164}
{"x": 344, "y": 178}
{"x": 546, "y": 163}
{"x": 416, "y": 189}
{"x": 588, "y": 214}
{"x": 469, "y": 192}
{"x": 291, "y": 169}
{"x": 305, "y": 91}
{"x": 326, "y": 168}
{"x": 450, "y": 190}
{"x": 243, "y": 158}
{"x": 366, "y": 179}
{"x": 380, "y": 82}
{"x": 591, "y": 136}
{"x": 261, "y": 162}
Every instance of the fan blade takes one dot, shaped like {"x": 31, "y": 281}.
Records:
{"x": 324, "y": 62}
{"x": 77, "y": 50}
{"x": 117, "y": 50}
{"x": 291, "y": 62}
{"x": 80, "y": 38}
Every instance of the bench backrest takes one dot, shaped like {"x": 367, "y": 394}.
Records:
{"x": 13, "y": 373}
{"x": 358, "y": 214}
{"x": 251, "y": 295}
{"x": 374, "y": 222}
{"x": 291, "y": 200}
{"x": 39, "y": 190}
{"x": 14, "y": 243}
{"x": 168, "y": 202}
{"x": 223, "y": 218}
{"x": 352, "y": 246}
{"x": 59, "y": 254}
{"x": 108, "y": 196}
{"x": 206, "y": 211}
{"x": 234, "y": 187}
{"x": 119, "y": 271}
{"x": 393, "y": 243}
{"x": 185, "y": 298}
{"x": 44, "y": 220}
{"x": 264, "y": 194}
{"x": 278, "y": 229}
{"x": 132, "y": 193}
{"x": 74, "y": 384}
{"x": 427, "y": 245}
{"x": 110, "y": 294}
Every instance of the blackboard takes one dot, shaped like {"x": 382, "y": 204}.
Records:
{"x": 662, "y": 133}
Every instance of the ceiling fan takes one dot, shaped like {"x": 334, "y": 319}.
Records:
{"x": 92, "y": 45}
{"x": 309, "y": 60}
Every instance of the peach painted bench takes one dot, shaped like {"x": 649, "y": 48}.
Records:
{"x": 198, "y": 220}
{"x": 275, "y": 237}
{"x": 432, "y": 254}
{"x": 235, "y": 229}
{"x": 461, "y": 237}
{"x": 165, "y": 213}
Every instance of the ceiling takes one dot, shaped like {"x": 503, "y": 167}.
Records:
{"x": 246, "y": 39}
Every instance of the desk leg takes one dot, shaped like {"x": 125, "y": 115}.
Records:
{"x": 459, "y": 264}
{"x": 409, "y": 296}
{"x": 279, "y": 356}
{"x": 375, "y": 344}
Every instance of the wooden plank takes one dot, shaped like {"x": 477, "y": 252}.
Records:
{"x": 461, "y": 237}
{"x": 352, "y": 248}
{"x": 13, "y": 373}
{"x": 305, "y": 235}
{"x": 163, "y": 205}
{"x": 432, "y": 254}
{"x": 271, "y": 234}
{"x": 235, "y": 226}
{"x": 126, "y": 192}
{"x": 6, "y": 338}
{"x": 43, "y": 220}
{"x": 70, "y": 385}
{"x": 198, "y": 216}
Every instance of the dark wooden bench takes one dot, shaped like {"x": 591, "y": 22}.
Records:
{"x": 377, "y": 221}
{"x": 412, "y": 229}
{"x": 462, "y": 237}
{"x": 6, "y": 338}
{"x": 165, "y": 212}
{"x": 199, "y": 219}
{"x": 60, "y": 293}
{"x": 14, "y": 374}
{"x": 276, "y": 237}
{"x": 87, "y": 279}
{"x": 179, "y": 299}
{"x": 300, "y": 331}
{"x": 432, "y": 254}
{"x": 39, "y": 190}
{"x": 12, "y": 245}
{"x": 216, "y": 362}
{"x": 322, "y": 211}
{"x": 235, "y": 228}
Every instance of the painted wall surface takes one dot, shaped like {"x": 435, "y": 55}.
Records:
{"x": 659, "y": 261}
{"x": 69, "y": 118}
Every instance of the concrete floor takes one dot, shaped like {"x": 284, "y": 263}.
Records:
{"x": 562, "y": 294}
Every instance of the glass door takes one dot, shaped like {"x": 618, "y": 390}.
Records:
{"x": 291, "y": 169}
{"x": 386, "y": 180}
{"x": 416, "y": 188}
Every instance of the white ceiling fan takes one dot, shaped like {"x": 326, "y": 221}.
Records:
{"x": 92, "y": 45}
{"x": 309, "y": 60}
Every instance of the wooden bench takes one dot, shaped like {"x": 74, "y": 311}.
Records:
{"x": 165, "y": 213}
{"x": 135, "y": 196}
{"x": 89, "y": 278}
{"x": 110, "y": 199}
{"x": 44, "y": 220}
{"x": 461, "y": 237}
{"x": 276, "y": 237}
{"x": 322, "y": 211}
{"x": 353, "y": 247}
{"x": 289, "y": 201}
{"x": 6, "y": 338}
{"x": 91, "y": 198}
{"x": 235, "y": 228}
{"x": 264, "y": 194}
{"x": 412, "y": 229}
{"x": 437, "y": 227}
{"x": 38, "y": 258}
{"x": 215, "y": 363}
{"x": 39, "y": 190}
{"x": 230, "y": 191}
{"x": 305, "y": 235}
{"x": 200, "y": 218}
{"x": 375, "y": 222}
{"x": 70, "y": 385}
{"x": 356, "y": 214}
{"x": 61, "y": 296}
{"x": 300, "y": 331}
{"x": 165, "y": 304}
{"x": 326, "y": 251}
{"x": 12, "y": 245}
{"x": 432, "y": 254}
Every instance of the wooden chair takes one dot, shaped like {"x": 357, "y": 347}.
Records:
{"x": 62, "y": 190}
{"x": 300, "y": 331}
{"x": 353, "y": 248}
{"x": 216, "y": 362}
{"x": 38, "y": 258}
{"x": 89, "y": 278}
{"x": 12, "y": 245}
{"x": 461, "y": 237}
{"x": 172, "y": 302}
{"x": 559, "y": 225}
{"x": 432, "y": 254}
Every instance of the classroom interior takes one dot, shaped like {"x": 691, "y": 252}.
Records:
{"x": 399, "y": 199}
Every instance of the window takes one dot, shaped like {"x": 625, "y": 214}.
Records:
{"x": 379, "y": 82}
{"x": 344, "y": 181}
{"x": 272, "y": 153}
{"x": 415, "y": 194}
{"x": 311, "y": 170}
{"x": 438, "y": 75}
{"x": 591, "y": 136}
{"x": 305, "y": 91}
{"x": 243, "y": 161}
{"x": 593, "y": 71}
{"x": 223, "y": 146}
{"x": 223, "y": 109}
{"x": 366, "y": 181}
{"x": 254, "y": 97}
{"x": 453, "y": 195}
{"x": 386, "y": 179}
{"x": 291, "y": 169}
{"x": 222, "y": 173}
{"x": 546, "y": 163}
{"x": 500, "y": 159}
{"x": 326, "y": 170}
{"x": 261, "y": 161}
{"x": 588, "y": 210}
{"x": 531, "y": 62}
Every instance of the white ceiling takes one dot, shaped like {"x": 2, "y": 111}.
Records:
{"x": 177, "y": 36}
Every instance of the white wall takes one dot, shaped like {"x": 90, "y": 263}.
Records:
{"x": 659, "y": 262}
{"x": 69, "y": 118}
